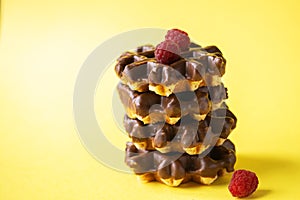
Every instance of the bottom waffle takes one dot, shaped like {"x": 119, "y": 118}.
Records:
{"x": 174, "y": 168}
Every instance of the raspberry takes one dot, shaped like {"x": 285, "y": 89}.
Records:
{"x": 167, "y": 52}
{"x": 179, "y": 37}
{"x": 243, "y": 183}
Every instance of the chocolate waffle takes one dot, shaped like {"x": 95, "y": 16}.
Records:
{"x": 199, "y": 66}
{"x": 149, "y": 107}
{"x": 187, "y": 135}
{"x": 174, "y": 169}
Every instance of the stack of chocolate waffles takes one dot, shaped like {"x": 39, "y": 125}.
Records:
{"x": 176, "y": 115}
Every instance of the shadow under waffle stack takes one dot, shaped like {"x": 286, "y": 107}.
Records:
{"x": 174, "y": 169}
{"x": 176, "y": 115}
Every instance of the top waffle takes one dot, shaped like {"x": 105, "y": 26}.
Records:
{"x": 198, "y": 66}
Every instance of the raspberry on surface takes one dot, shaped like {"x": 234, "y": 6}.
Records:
{"x": 179, "y": 37}
{"x": 243, "y": 183}
{"x": 167, "y": 52}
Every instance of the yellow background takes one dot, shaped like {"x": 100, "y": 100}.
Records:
{"x": 44, "y": 43}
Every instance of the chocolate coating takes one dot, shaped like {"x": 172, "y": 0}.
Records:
{"x": 186, "y": 133}
{"x": 139, "y": 68}
{"x": 175, "y": 105}
{"x": 180, "y": 166}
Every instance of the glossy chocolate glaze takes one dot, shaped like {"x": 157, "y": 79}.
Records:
{"x": 197, "y": 64}
{"x": 188, "y": 132}
{"x": 175, "y": 105}
{"x": 166, "y": 165}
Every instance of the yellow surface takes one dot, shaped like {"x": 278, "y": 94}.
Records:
{"x": 44, "y": 43}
